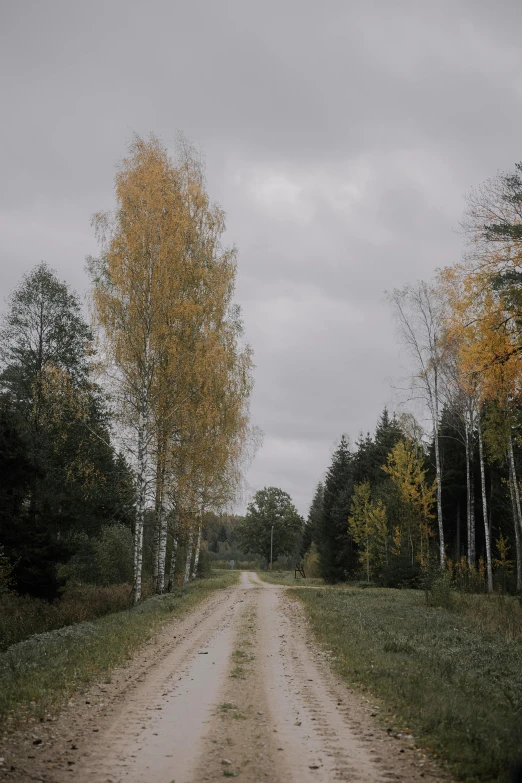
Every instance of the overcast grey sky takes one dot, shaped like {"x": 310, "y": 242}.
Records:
{"x": 340, "y": 137}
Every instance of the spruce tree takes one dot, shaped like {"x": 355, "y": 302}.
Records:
{"x": 387, "y": 434}
{"x": 313, "y": 523}
{"x": 364, "y": 459}
{"x": 337, "y": 555}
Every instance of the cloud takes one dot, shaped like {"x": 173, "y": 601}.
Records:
{"x": 339, "y": 137}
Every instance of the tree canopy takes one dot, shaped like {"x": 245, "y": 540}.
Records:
{"x": 271, "y": 508}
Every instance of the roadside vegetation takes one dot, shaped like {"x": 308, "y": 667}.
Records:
{"x": 39, "y": 674}
{"x": 443, "y": 665}
{"x": 452, "y": 678}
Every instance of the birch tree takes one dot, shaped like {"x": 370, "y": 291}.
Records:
{"x": 368, "y": 527}
{"x": 418, "y": 312}
{"x": 163, "y": 295}
{"x": 489, "y": 367}
{"x": 406, "y": 469}
{"x": 130, "y": 288}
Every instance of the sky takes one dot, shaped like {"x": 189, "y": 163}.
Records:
{"x": 340, "y": 138}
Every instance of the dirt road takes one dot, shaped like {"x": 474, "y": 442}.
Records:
{"x": 237, "y": 689}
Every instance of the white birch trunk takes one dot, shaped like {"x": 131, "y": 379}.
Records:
{"x": 518, "y": 556}
{"x": 138, "y": 555}
{"x": 515, "y": 481}
{"x": 518, "y": 553}
{"x": 472, "y": 521}
{"x": 188, "y": 562}
{"x": 157, "y": 525}
{"x": 468, "y": 499}
{"x": 470, "y": 511}
{"x": 458, "y": 531}
{"x": 155, "y": 555}
{"x": 196, "y": 556}
{"x": 172, "y": 568}
{"x": 438, "y": 469}
{"x": 140, "y": 506}
{"x": 162, "y": 533}
{"x": 517, "y": 516}
{"x": 442, "y": 554}
{"x": 162, "y": 548}
{"x": 162, "y": 556}
{"x": 489, "y": 568}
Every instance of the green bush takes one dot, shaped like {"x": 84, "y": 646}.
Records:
{"x": 113, "y": 555}
{"x": 311, "y": 563}
{"x": 441, "y": 592}
{"x": 105, "y": 560}
{"x": 401, "y": 572}
{"x": 204, "y": 564}
{"x": 24, "y": 616}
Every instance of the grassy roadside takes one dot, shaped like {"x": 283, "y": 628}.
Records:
{"x": 38, "y": 674}
{"x": 288, "y": 579}
{"x": 446, "y": 676}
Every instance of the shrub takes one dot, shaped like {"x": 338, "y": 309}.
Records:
{"x": 113, "y": 555}
{"x": 6, "y": 573}
{"x": 106, "y": 560}
{"x": 204, "y": 564}
{"x": 24, "y": 616}
{"x": 311, "y": 563}
{"x": 440, "y": 592}
{"x": 400, "y": 572}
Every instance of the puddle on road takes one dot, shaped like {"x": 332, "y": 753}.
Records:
{"x": 168, "y": 748}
